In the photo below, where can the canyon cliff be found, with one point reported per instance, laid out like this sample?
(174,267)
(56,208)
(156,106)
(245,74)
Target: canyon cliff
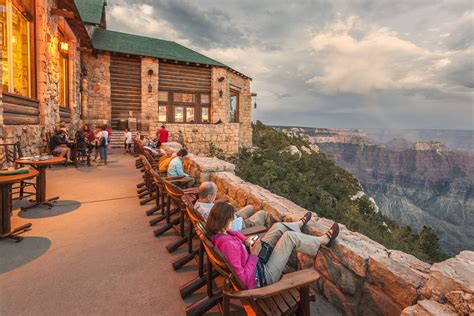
(417,184)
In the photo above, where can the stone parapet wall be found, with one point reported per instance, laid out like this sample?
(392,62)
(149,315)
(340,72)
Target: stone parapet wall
(198,137)
(359,275)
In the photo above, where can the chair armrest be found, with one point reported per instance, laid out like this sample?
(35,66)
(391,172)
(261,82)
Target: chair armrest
(186,179)
(191,191)
(289,281)
(253,230)
(172,178)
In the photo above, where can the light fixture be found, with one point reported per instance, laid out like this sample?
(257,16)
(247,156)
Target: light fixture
(221,79)
(220,93)
(64,47)
(150,72)
(254,95)
(150,88)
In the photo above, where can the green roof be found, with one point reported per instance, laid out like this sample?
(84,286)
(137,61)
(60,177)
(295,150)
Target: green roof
(146,46)
(90,10)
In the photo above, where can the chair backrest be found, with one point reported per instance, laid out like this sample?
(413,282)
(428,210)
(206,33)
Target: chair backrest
(194,215)
(146,164)
(175,193)
(218,260)
(10,152)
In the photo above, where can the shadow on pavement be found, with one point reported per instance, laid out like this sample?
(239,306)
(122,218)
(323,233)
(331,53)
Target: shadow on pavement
(17,254)
(60,207)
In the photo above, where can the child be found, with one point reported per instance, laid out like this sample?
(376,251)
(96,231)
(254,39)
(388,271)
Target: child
(127,135)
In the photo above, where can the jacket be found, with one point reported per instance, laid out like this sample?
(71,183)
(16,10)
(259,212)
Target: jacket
(244,264)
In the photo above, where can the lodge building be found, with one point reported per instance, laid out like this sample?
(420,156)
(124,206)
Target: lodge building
(61,63)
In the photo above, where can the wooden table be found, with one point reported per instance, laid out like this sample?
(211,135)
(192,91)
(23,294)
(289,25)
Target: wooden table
(41,166)
(6,203)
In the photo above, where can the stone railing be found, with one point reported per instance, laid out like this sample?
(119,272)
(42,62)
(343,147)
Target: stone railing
(359,275)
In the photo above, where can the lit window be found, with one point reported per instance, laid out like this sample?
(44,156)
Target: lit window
(162,113)
(189,115)
(184,97)
(162,96)
(204,98)
(179,114)
(205,115)
(63,73)
(16,75)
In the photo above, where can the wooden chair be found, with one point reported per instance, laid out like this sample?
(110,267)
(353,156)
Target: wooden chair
(147,194)
(289,296)
(176,193)
(9,152)
(194,217)
(83,150)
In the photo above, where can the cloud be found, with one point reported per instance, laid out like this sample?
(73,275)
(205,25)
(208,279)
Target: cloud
(366,63)
(355,57)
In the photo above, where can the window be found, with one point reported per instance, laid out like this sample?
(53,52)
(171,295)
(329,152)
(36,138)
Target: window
(162,110)
(178,114)
(184,97)
(189,115)
(183,107)
(63,84)
(163,96)
(204,98)
(234,106)
(205,115)
(16,47)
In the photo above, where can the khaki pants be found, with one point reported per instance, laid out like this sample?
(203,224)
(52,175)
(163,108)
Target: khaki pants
(284,241)
(252,218)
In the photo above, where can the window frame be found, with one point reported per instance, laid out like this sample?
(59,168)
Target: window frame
(29,14)
(236,93)
(196,105)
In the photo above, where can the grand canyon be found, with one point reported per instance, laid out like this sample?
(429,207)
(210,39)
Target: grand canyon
(414,182)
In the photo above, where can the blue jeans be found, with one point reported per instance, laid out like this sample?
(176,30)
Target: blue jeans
(103,153)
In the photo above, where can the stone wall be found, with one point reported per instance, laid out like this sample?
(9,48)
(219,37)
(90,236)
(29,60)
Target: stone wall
(96,89)
(32,137)
(359,275)
(198,137)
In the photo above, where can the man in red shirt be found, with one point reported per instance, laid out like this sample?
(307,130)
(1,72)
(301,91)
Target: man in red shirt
(162,135)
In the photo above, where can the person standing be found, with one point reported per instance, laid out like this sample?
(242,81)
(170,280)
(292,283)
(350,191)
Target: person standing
(103,140)
(162,136)
(128,140)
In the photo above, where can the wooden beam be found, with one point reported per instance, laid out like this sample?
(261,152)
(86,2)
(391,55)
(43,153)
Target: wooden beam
(63,12)
(84,49)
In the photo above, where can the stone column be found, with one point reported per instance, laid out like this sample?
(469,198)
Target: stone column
(149,115)
(219,100)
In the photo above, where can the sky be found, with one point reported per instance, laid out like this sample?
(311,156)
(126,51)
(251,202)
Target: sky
(357,64)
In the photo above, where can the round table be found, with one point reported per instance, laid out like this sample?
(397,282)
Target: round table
(6,203)
(41,166)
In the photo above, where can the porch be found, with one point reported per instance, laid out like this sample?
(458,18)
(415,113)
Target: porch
(95,252)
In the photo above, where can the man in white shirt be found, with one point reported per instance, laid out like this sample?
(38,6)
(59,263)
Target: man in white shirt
(244,218)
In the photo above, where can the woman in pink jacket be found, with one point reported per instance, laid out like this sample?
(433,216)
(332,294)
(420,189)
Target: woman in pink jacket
(283,238)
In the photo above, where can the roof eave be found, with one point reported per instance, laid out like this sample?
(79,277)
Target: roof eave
(76,23)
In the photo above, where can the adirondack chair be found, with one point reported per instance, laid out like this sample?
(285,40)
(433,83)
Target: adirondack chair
(291,295)
(176,193)
(148,194)
(195,217)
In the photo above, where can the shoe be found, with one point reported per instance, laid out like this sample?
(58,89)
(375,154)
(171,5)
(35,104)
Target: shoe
(305,219)
(332,234)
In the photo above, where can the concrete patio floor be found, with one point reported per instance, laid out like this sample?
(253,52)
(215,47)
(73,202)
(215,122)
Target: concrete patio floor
(94,253)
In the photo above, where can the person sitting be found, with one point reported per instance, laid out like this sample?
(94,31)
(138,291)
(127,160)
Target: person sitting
(175,168)
(62,126)
(253,268)
(244,218)
(58,145)
(88,134)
